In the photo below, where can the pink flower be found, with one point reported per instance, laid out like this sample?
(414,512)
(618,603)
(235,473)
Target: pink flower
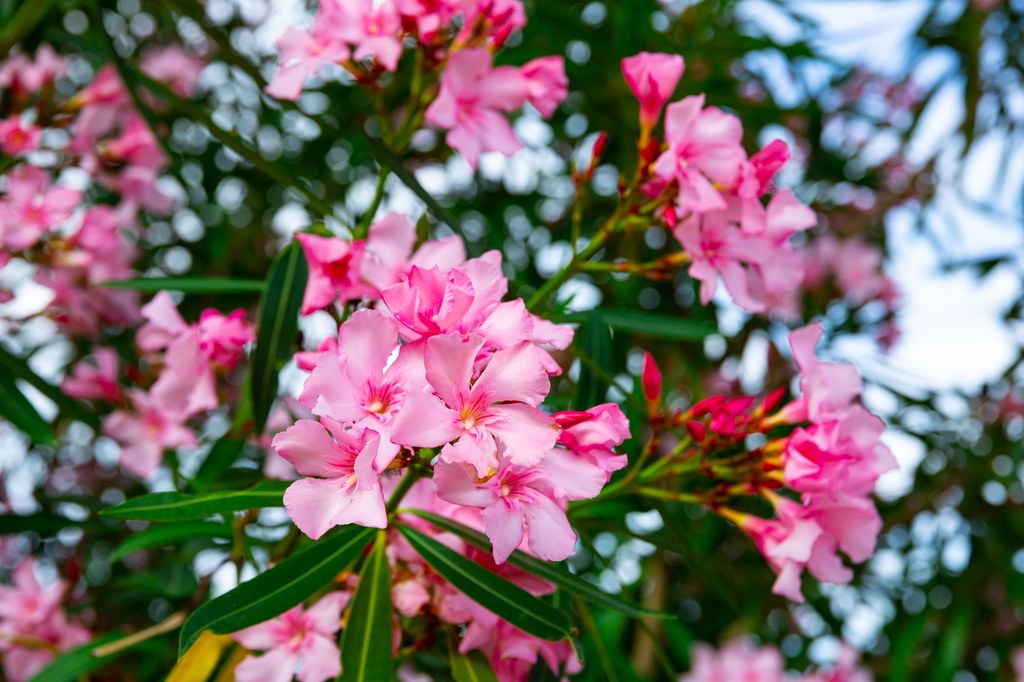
(186,383)
(170,64)
(409,597)
(652,76)
(136,145)
(97,380)
(32,207)
(826,388)
(21,74)
(164,324)
(343,485)
(498,408)
(793,541)
(389,253)
(145,432)
(592,434)
(739,660)
(528,502)
(845,668)
(303,54)
(223,337)
(704,148)
(357,384)
(762,167)
(334,266)
(546,82)
(373,28)
(32,613)
(297,636)
(470,103)
(496,18)
(17,137)
(427,17)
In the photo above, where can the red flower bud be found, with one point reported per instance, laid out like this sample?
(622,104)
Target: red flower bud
(772,400)
(598,151)
(650,378)
(696,430)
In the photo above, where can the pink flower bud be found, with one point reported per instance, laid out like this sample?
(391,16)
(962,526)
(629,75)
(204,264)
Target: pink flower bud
(652,76)
(570,418)
(696,431)
(651,379)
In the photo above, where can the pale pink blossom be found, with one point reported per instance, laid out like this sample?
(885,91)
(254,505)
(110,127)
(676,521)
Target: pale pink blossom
(704,151)
(373,28)
(30,75)
(389,255)
(33,627)
(593,433)
(303,54)
(409,597)
(342,485)
(495,19)
(498,408)
(740,660)
(826,388)
(164,324)
(471,102)
(31,206)
(18,137)
(96,380)
(223,337)
(546,83)
(306,636)
(146,431)
(172,65)
(334,267)
(186,382)
(652,76)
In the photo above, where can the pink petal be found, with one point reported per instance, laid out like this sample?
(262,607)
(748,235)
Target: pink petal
(455,483)
(449,362)
(277,665)
(551,537)
(526,432)
(308,446)
(514,374)
(424,421)
(503,524)
(321,659)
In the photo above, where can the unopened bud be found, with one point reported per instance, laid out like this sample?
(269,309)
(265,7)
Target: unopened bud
(696,431)
(650,378)
(570,418)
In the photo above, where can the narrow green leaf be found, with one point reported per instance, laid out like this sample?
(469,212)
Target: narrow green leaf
(169,534)
(43,523)
(648,324)
(222,455)
(183,507)
(277,324)
(596,342)
(953,645)
(16,408)
(187,285)
(73,665)
(497,595)
(469,667)
(276,590)
(28,15)
(542,569)
(366,643)
(18,368)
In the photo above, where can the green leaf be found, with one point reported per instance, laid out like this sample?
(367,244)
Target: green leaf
(366,643)
(276,590)
(169,534)
(18,368)
(222,455)
(187,285)
(647,324)
(277,324)
(950,652)
(497,595)
(28,15)
(542,569)
(595,358)
(74,664)
(183,507)
(16,408)
(469,667)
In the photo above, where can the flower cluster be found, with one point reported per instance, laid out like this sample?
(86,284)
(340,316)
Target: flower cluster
(741,659)
(185,359)
(830,462)
(459,37)
(46,218)
(441,366)
(33,625)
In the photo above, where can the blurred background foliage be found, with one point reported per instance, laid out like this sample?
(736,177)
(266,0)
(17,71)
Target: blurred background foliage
(944,597)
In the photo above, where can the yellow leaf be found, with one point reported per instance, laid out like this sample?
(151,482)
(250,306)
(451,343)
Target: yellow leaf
(200,660)
(227,672)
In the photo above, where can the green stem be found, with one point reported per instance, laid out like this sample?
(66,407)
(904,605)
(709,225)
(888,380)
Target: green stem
(411,476)
(363,227)
(549,287)
(671,495)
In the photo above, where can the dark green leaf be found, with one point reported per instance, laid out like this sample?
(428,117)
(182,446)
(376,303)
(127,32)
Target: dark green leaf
(16,408)
(276,590)
(548,571)
(953,645)
(366,643)
(43,523)
(595,358)
(187,285)
(277,324)
(74,664)
(497,595)
(182,507)
(470,667)
(169,534)
(647,324)
(222,455)
(18,368)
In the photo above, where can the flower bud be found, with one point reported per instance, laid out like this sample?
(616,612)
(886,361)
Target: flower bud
(650,378)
